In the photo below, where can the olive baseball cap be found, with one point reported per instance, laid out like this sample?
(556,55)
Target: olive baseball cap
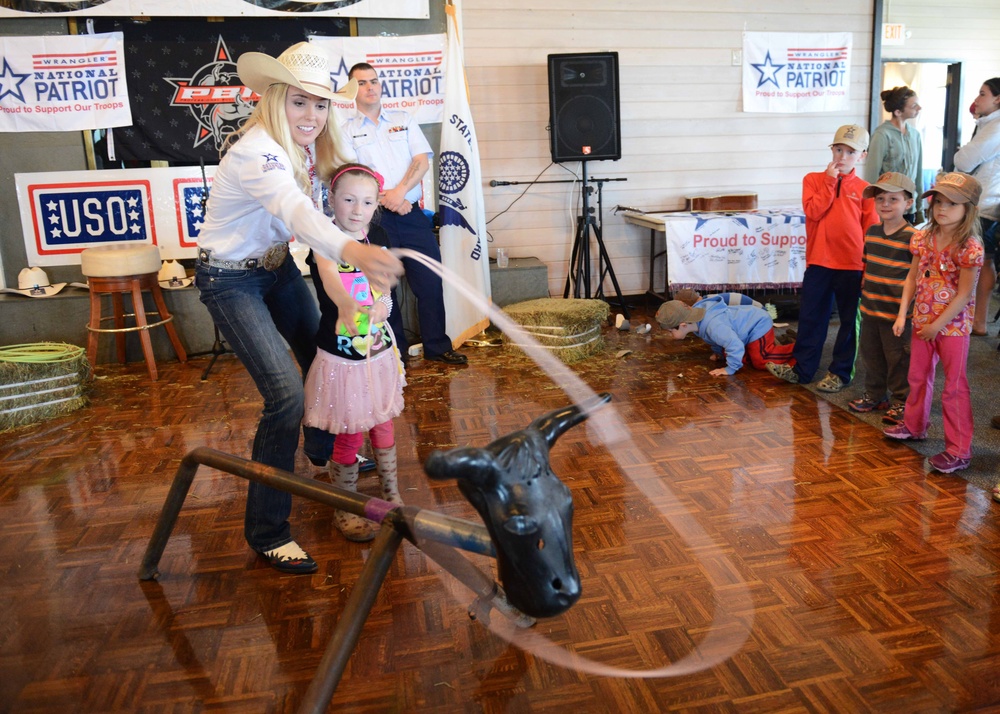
(673,312)
(853,136)
(892,182)
(957,188)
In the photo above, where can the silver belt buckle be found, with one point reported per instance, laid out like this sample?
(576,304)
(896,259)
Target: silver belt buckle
(274,256)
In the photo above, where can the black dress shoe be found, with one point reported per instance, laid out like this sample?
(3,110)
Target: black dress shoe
(449,357)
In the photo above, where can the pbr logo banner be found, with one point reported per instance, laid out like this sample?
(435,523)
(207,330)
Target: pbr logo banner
(63,83)
(791,72)
(409,70)
(65,212)
(185,93)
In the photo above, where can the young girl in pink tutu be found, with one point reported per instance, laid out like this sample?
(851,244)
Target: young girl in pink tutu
(355,384)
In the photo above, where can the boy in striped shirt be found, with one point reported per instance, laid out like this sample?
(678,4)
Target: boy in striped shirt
(887,260)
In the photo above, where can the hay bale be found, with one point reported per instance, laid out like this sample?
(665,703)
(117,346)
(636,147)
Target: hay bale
(570,328)
(40,381)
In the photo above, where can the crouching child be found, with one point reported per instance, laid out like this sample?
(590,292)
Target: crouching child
(740,333)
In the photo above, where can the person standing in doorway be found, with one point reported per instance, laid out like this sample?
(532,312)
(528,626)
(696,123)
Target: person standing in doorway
(981,158)
(896,146)
(391,143)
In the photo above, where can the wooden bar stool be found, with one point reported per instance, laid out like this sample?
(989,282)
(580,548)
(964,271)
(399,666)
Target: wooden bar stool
(115,270)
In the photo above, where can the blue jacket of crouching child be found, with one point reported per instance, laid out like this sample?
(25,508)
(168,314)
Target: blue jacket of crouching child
(730,328)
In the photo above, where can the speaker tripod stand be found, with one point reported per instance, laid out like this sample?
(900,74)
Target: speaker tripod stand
(579,263)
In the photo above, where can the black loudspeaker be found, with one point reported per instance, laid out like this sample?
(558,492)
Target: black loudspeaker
(584,114)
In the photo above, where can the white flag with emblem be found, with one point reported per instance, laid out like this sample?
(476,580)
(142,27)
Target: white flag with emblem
(460,197)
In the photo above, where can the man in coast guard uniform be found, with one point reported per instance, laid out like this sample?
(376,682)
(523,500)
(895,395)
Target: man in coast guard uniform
(392,143)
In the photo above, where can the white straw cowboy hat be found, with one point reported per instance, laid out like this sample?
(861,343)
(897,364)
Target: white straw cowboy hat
(304,65)
(34,282)
(172,276)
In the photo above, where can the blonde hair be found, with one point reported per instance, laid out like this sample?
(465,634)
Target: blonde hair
(968,228)
(270,115)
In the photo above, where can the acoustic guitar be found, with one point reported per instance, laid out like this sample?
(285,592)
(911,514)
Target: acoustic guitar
(724,202)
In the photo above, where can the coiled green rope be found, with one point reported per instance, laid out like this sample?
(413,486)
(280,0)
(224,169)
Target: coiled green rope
(40,352)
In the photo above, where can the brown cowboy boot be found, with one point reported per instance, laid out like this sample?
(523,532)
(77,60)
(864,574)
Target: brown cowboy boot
(385,465)
(354,528)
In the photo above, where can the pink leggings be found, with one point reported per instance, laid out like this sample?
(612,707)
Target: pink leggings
(956,403)
(346,446)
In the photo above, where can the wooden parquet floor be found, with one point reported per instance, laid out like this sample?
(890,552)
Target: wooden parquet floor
(872,584)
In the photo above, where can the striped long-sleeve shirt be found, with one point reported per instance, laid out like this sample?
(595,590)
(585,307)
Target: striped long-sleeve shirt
(887,261)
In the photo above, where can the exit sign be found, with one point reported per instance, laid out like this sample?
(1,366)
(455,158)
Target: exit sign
(893,34)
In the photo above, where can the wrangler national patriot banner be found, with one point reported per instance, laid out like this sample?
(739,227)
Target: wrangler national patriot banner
(791,72)
(62,83)
(409,70)
(185,94)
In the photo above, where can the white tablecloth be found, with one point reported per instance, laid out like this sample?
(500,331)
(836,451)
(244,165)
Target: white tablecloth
(764,248)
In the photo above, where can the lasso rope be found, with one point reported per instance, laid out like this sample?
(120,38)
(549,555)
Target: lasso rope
(39,381)
(40,352)
(732,609)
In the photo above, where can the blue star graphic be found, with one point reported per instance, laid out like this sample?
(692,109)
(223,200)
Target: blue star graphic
(339,77)
(270,157)
(10,82)
(768,71)
(701,220)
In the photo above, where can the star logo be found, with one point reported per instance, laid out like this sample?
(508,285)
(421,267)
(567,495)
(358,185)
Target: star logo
(339,77)
(768,71)
(215,98)
(270,157)
(10,82)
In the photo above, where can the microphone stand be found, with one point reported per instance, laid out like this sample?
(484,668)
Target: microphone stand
(219,346)
(578,276)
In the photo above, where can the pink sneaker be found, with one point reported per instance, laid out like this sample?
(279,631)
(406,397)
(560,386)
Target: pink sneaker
(946,463)
(899,431)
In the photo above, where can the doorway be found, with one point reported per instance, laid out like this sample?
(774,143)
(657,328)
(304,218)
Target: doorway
(938,85)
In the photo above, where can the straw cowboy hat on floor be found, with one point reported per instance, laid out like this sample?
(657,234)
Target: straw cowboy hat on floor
(34,282)
(172,276)
(304,65)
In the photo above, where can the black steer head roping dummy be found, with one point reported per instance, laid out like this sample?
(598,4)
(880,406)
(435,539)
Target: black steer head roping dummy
(526,508)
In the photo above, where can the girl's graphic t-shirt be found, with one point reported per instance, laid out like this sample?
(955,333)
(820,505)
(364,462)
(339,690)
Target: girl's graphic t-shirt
(937,281)
(371,338)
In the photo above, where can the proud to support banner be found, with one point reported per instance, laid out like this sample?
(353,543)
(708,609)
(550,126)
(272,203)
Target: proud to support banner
(460,197)
(794,72)
(409,69)
(759,249)
(63,83)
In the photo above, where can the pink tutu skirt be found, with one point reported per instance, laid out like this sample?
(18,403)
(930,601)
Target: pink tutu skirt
(351,396)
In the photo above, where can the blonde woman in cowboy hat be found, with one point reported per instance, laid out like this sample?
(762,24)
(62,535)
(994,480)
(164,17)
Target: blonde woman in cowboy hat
(269,187)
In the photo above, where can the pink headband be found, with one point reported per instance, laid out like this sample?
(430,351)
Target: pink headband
(363,169)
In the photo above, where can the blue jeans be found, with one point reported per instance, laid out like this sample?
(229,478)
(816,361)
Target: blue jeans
(822,286)
(257,313)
